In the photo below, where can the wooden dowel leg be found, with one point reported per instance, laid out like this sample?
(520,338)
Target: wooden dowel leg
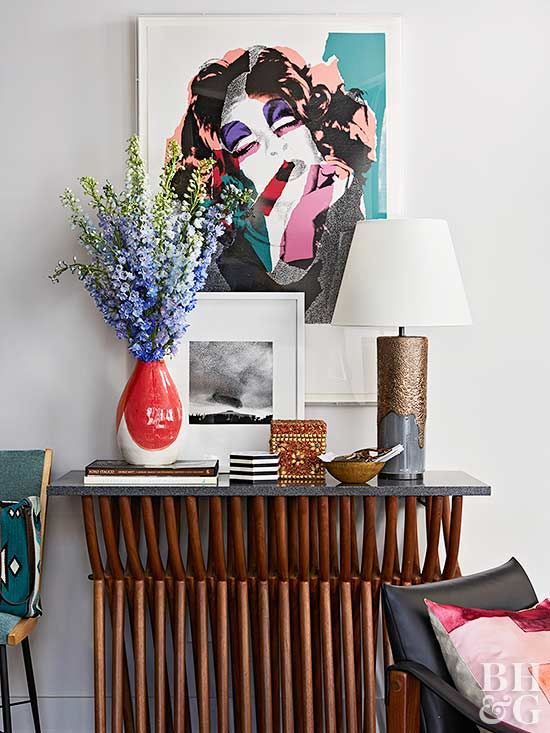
(179,656)
(255,651)
(235,655)
(336,646)
(316,653)
(159,633)
(118,655)
(431,561)
(349,658)
(369,659)
(140,673)
(274,651)
(357,646)
(99,657)
(328,661)
(244,660)
(286,658)
(203,696)
(296,654)
(307,672)
(265,657)
(452,521)
(222,653)
(410,543)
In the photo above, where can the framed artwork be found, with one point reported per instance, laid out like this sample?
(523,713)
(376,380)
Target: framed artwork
(240,365)
(304,111)
(349,376)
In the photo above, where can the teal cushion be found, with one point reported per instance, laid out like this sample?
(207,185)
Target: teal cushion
(20,473)
(7,623)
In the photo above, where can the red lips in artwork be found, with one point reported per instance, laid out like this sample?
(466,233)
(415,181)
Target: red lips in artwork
(151,406)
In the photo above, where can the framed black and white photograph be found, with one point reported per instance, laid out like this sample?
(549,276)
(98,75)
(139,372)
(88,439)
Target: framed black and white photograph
(230,382)
(240,366)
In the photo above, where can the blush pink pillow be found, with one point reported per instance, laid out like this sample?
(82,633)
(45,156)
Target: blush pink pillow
(499,660)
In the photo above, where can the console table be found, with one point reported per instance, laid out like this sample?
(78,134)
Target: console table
(286,589)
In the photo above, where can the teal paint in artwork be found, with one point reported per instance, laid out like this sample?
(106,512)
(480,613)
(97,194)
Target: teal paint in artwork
(256,233)
(362,64)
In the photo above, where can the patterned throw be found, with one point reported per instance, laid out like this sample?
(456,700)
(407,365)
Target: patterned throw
(20,534)
(499,660)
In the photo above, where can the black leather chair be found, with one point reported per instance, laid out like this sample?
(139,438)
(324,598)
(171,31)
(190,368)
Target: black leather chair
(420,695)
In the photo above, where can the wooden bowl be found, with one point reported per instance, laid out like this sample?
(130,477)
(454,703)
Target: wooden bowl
(354,472)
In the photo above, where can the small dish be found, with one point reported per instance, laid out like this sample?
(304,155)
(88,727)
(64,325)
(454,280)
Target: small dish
(356,468)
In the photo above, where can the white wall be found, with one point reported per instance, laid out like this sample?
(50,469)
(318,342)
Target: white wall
(476,105)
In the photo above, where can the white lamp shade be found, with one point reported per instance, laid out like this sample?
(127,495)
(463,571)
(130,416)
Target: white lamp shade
(402,272)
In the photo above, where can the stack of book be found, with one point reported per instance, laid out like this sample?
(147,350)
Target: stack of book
(254,466)
(181,473)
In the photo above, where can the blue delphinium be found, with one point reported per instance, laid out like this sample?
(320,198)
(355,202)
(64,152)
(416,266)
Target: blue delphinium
(149,253)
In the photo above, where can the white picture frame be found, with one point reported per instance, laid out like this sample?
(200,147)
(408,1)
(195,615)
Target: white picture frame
(348,376)
(341,363)
(244,317)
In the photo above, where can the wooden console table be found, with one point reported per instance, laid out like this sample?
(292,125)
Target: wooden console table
(286,590)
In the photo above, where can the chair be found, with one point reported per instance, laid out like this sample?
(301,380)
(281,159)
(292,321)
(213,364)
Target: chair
(420,695)
(22,474)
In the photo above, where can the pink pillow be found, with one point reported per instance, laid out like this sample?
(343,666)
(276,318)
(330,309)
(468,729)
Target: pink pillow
(499,660)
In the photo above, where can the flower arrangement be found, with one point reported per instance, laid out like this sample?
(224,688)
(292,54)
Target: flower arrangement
(149,252)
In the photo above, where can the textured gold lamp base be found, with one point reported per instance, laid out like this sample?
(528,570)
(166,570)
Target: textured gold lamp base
(402,392)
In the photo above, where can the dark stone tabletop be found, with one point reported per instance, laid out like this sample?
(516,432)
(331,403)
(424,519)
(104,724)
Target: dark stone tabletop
(434,483)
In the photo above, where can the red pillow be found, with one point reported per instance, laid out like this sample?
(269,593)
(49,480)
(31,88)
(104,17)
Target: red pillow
(499,660)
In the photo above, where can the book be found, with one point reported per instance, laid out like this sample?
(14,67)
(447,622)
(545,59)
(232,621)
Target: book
(150,480)
(179,468)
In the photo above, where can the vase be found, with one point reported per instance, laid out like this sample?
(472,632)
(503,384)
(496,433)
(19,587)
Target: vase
(149,416)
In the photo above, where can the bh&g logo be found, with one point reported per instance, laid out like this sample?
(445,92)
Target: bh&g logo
(524,703)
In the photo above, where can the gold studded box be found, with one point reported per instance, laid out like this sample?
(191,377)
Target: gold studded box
(299,444)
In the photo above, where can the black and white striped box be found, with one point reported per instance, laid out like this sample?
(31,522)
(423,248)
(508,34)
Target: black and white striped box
(253,466)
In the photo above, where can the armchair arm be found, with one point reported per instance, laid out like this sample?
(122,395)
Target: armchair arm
(21,630)
(404,682)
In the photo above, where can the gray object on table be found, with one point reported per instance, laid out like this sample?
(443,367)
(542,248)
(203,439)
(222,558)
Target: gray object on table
(396,429)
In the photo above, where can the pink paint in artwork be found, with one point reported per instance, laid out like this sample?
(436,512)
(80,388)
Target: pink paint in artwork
(298,238)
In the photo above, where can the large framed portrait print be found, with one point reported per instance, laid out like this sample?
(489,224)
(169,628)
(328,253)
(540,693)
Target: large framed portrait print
(303,111)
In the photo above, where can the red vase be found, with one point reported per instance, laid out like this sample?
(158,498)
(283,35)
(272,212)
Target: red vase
(149,416)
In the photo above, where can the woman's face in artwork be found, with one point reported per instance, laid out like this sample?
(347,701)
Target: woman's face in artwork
(261,134)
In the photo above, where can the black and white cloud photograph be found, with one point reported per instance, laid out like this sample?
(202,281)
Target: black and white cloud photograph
(230,382)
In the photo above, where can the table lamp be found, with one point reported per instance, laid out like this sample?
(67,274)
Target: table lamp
(399,273)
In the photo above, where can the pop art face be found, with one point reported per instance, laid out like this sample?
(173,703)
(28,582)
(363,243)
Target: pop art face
(294,135)
(266,139)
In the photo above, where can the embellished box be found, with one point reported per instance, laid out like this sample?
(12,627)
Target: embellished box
(299,444)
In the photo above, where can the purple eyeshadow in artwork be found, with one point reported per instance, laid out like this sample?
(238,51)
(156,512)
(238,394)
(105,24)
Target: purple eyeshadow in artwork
(232,133)
(274,109)
(278,111)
